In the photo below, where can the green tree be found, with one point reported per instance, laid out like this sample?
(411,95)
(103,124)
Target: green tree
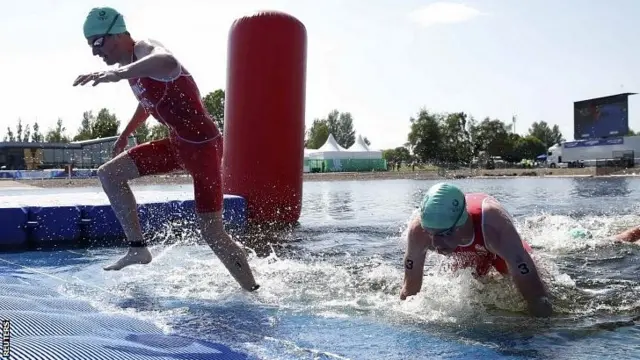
(340,125)
(143,133)
(529,147)
(399,154)
(106,124)
(21,134)
(510,152)
(491,136)
(36,136)
(19,130)
(26,134)
(9,136)
(549,136)
(214,103)
(346,135)
(455,139)
(425,136)
(57,134)
(84,131)
(332,121)
(158,131)
(317,134)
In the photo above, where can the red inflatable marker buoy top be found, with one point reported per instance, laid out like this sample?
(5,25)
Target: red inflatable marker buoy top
(264,115)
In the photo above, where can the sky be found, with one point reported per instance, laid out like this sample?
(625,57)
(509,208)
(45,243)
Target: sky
(382,61)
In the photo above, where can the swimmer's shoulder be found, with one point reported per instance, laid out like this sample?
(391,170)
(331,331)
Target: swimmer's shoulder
(497,220)
(495,213)
(416,232)
(144,47)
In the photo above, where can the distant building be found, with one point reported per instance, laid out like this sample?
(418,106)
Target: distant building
(87,154)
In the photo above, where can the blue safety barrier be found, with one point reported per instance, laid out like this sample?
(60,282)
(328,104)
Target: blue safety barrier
(48,174)
(12,226)
(53,225)
(100,223)
(154,216)
(37,227)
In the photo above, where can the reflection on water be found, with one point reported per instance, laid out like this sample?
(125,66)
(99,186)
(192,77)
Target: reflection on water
(600,187)
(340,205)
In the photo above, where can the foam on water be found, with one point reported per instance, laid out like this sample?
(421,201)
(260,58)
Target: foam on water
(340,287)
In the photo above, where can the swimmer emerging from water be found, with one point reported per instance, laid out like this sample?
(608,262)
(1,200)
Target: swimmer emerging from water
(165,90)
(478,232)
(631,235)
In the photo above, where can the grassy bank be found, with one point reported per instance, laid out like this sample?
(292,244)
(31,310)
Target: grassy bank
(451,174)
(402,174)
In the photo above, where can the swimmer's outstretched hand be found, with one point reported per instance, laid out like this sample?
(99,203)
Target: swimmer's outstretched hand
(135,256)
(97,78)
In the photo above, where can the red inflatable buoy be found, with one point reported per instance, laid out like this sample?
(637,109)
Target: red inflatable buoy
(264,115)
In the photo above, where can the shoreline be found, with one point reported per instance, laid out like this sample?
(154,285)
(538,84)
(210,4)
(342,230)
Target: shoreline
(179,179)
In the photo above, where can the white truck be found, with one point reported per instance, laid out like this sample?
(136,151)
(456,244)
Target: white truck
(586,152)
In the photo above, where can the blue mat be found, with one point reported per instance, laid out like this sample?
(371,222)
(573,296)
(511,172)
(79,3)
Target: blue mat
(46,325)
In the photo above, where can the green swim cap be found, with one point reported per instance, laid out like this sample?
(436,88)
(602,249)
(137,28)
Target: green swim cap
(442,205)
(578,233)
(99,20)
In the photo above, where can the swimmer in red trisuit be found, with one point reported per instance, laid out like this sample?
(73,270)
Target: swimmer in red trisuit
(166,91)
(478,232)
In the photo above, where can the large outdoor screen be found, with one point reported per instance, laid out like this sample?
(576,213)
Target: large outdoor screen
(601,117)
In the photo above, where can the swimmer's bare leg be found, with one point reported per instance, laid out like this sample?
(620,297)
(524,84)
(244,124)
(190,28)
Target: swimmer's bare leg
(230,254)
(114,176)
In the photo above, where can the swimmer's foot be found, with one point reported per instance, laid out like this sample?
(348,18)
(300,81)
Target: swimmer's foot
(135,256)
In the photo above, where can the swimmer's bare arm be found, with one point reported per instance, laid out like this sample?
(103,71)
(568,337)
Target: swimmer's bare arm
(139,117)
(503,239)
(414,262)
(154,60)
(629,235)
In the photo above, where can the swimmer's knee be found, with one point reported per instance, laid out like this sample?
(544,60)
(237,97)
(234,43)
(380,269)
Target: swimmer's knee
(117,170)
(108,175)
(103,173)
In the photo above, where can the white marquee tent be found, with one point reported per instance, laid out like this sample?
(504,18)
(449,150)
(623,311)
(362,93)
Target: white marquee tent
(336,158)
(360,150)
(307,152)
(330,150)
